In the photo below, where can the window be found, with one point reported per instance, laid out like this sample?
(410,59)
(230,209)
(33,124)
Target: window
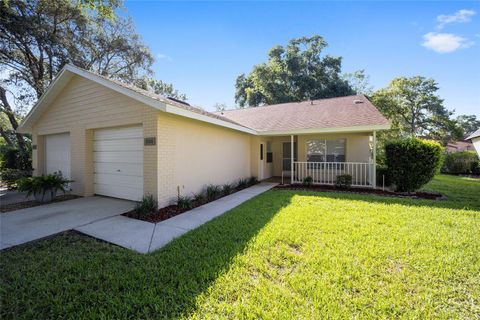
(261,151)
(269,152)
(326,150)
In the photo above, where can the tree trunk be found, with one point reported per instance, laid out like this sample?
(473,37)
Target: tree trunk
(7,109)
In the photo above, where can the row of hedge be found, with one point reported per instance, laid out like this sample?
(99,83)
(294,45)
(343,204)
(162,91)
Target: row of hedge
(465,162)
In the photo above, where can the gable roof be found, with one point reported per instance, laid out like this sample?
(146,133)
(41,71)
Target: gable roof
(149,98)
(476,134)
(352,113)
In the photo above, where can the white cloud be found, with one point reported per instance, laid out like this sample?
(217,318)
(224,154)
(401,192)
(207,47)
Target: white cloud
(164,56)
(461,16)
(445,42)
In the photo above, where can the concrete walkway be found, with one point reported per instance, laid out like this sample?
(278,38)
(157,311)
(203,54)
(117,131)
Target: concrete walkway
(21,226)
(145,237)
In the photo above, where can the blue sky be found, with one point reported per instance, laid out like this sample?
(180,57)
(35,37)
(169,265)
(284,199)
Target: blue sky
(201,47)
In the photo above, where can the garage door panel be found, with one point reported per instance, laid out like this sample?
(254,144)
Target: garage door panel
(128,169)
(57,154)
(118,157)
(119,192)
(118,162)
(118,133)
(133,144)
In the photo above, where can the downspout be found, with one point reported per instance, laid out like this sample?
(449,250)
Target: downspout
(292,169)
(374,159)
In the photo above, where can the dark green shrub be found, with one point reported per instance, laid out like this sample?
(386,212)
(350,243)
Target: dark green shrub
(252,181)
(11,176)
(307,181)
(12,158)
(45,187)
(475,167)
(213,192)
(147,205)
(185,202)
(199,198)
(344,181)
(412,162)
(227,189)
(242,183)
(459,162)
(383,176)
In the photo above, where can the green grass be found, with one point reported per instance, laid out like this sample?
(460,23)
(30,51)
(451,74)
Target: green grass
(284,254)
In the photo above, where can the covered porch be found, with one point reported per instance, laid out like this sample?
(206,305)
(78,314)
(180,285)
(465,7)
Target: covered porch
(320,156)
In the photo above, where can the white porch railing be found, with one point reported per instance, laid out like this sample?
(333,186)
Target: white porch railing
(327,172)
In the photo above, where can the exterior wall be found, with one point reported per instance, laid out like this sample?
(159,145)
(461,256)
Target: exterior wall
(476,144)
(357,147)
(82,107)
(192,154)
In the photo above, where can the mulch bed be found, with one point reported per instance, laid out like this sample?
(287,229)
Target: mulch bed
(170,211)
(33,203)
(359,190)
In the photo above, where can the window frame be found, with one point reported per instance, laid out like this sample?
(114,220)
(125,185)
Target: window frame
(325,153)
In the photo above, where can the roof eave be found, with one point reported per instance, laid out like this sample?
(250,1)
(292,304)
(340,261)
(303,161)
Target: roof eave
(368,128)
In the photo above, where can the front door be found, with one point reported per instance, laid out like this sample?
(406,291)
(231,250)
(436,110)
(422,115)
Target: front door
(261,163)
(287,155)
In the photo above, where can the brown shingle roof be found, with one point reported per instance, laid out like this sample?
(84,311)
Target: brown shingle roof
(350,111)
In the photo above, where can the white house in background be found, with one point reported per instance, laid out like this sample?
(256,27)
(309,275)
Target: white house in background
(117,140)
(475,138)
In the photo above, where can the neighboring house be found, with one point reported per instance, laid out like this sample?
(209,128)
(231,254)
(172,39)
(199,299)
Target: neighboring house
(475,138)
(117,140)
(459,146)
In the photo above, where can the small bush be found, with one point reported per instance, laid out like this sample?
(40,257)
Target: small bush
(185,202)
(11,176)
(147,205)
(45,187)
(199,198)
(213,192)
(459,162)
(344,181)
(412,162)
(307,181)
(227,189)
(252,181)
(242,183)
(475,167)
(382,173)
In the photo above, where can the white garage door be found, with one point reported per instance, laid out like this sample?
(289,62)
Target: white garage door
(118,161)
(57,154)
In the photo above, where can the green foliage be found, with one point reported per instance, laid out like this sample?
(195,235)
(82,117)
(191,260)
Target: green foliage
(412,162)
(213,192)
(468,123)
(295,72)
(242,183)
(227,189)
(344,181)
(161,88)
(412,259)
(252,181)
(307,181)
(11,176)
(147,205)
(475,167)
(459,162)
(40,185)
(185,202)
(414,109)
(383,176)
(14,158)
(199,198)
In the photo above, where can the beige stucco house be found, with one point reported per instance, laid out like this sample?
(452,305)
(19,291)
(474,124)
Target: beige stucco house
(475,139)
(117,140)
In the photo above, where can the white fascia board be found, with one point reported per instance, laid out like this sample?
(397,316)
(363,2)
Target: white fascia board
(324,130)
(200,117)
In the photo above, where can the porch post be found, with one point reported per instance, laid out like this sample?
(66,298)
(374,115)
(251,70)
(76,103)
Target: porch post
(374,159)
(292,169)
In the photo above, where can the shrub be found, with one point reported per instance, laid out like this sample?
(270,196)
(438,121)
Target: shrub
(46,185)
(344,181)
(242,183)
(412,162)
(459,162)
(213,192)
(382,173)
(11,176)
(184,202)
(199,198)
(147,205)
(227,189)
(252,181)
(307,181)
(12,158)
(475,167)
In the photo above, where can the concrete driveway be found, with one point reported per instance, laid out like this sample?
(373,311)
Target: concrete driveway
(21,226)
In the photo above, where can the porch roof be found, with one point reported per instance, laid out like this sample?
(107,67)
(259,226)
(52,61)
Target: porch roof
(351,113)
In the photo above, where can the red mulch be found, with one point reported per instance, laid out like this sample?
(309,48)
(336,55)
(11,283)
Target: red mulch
(170,211)
(33,203)
(359,190)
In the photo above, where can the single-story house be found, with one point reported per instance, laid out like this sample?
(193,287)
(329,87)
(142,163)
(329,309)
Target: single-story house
(117,140)
(475,139)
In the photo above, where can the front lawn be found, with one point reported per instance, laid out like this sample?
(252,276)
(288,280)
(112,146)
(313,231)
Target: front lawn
(284,254)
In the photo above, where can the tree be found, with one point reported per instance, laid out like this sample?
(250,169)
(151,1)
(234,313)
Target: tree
(294,72)
(220,106)
(160,87)
(359,82)
(414,109)
(38,37)
(468,123)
